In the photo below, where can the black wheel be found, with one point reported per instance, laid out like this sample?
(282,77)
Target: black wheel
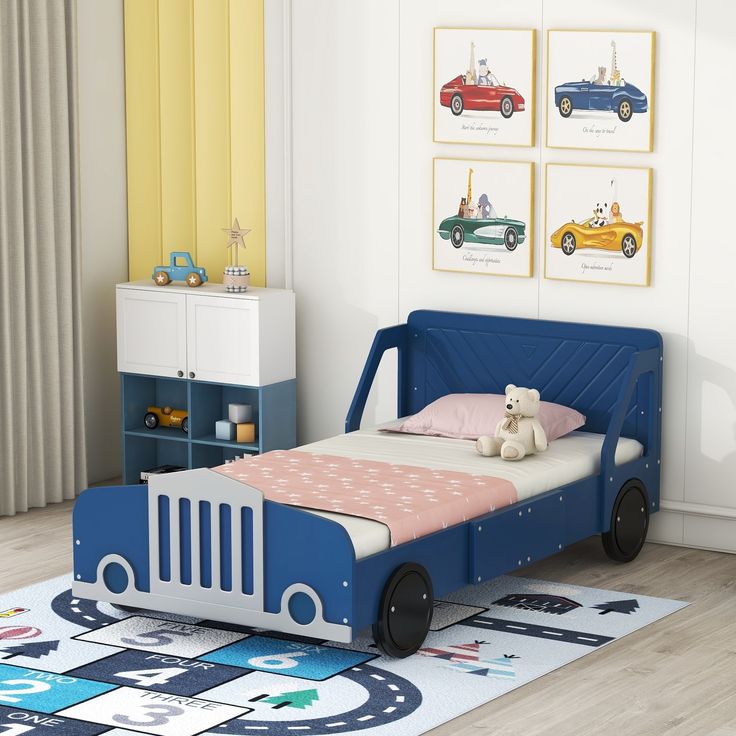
(405,612)
(565,107)
(624,110)
(510,238)
(507,107)
(568,243)
(629,523)
(150,420)
(457,236)
(628,245)
(456,104)
(185,425)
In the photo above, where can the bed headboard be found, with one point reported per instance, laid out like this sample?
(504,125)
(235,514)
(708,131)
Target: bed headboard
(583,366)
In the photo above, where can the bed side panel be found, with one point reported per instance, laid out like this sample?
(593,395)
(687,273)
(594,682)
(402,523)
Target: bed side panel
(303,548)
(111,520)
(444,554)
(517,535)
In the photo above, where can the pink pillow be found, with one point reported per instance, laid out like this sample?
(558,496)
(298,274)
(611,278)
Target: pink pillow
(468,416)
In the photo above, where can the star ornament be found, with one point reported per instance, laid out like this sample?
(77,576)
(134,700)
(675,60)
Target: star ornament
(235,234)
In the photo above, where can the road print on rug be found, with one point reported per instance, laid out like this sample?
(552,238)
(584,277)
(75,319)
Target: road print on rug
(73,667)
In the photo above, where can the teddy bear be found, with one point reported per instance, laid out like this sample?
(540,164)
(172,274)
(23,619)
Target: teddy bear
(519,433)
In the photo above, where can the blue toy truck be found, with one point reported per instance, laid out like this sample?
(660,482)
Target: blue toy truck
(178,271)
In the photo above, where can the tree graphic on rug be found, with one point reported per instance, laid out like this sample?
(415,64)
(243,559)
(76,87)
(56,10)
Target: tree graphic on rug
(35,650)
(297,699)
(466,658)
(628,607)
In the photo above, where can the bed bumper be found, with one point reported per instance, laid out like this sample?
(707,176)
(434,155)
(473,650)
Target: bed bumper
(199,544)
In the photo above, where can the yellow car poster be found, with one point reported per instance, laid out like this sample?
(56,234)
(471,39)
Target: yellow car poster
(597,224)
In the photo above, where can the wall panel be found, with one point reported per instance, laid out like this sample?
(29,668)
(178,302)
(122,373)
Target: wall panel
(663,305)
(103,220)
(176,88)
(711,378)
(195,100)
(247,134)
(212,125)
(143,136)
(346,174)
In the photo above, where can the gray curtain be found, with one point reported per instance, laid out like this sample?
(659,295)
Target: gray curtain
(42,444)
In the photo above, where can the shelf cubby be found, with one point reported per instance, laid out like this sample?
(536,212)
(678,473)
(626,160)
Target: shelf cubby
(274,414)
(138,392)
(211,401)
(145,452)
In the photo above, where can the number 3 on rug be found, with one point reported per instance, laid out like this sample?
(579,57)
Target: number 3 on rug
(154,715)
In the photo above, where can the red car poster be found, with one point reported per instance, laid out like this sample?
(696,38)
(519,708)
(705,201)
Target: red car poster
(484,86)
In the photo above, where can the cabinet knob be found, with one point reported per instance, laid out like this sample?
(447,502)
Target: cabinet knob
(180,374)
(191,374)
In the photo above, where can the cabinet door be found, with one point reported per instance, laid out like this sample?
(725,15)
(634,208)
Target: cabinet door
(152,332)
(222,339)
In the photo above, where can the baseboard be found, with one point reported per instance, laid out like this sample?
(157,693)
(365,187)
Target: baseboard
(695,525)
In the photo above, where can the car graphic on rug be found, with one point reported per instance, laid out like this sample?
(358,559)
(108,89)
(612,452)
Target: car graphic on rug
(479,223)
(479,89)
(624,236)
(608,94)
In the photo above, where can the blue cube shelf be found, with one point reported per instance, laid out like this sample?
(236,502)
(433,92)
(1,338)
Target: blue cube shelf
(274,414)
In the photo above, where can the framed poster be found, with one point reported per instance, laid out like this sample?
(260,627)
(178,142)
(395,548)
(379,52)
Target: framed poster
(598,224)
(483,88)
(600,90)
(483,217)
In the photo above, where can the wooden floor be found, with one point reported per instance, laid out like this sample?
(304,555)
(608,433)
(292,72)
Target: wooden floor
(676,677)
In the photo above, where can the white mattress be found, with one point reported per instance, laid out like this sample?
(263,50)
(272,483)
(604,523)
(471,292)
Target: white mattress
(566,460)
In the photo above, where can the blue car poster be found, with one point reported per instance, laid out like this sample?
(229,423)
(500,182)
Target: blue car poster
(483,216)
(600,88)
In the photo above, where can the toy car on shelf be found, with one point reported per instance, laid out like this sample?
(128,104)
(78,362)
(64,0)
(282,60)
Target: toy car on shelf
(157,416)
(623,236)
(181,268)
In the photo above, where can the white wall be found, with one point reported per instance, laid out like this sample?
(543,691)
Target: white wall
(104,228)
(362,157)
(345,201)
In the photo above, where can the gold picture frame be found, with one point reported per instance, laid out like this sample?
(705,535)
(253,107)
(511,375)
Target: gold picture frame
(493,258)
(530,87)
(550,91)
(617,227)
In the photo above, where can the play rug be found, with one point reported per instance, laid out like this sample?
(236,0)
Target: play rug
(70,667)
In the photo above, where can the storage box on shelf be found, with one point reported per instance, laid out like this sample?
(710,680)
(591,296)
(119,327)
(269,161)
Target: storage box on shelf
(200,352)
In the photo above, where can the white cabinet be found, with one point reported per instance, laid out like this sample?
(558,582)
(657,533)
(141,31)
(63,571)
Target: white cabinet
(206,334)
(152,328)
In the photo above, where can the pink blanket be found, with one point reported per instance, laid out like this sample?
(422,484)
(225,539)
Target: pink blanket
(411,501)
